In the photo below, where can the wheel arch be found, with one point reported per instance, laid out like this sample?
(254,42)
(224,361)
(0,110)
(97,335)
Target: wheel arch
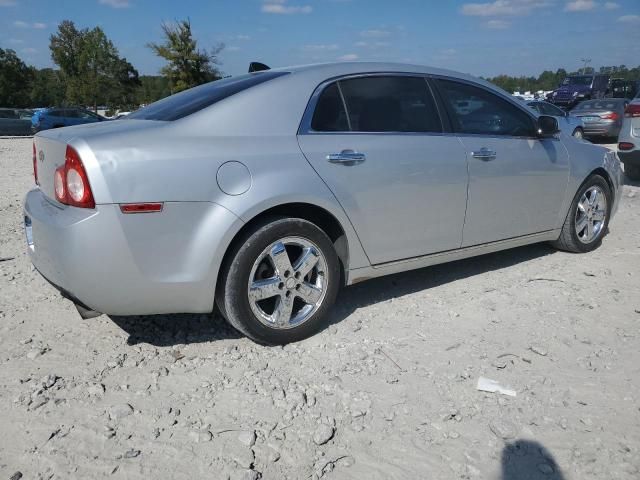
(315,214)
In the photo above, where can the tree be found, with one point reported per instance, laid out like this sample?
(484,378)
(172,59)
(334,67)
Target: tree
(15,80)
(153,88)
(48,88)
(187,66)
(94,73)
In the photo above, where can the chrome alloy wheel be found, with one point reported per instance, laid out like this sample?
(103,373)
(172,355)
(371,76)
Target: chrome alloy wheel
(288,283)
(591,214)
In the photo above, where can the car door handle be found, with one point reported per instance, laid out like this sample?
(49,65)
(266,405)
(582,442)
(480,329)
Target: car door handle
(484,154)
(347,157)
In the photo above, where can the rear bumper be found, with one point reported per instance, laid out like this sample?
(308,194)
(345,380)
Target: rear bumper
(130,264)
(601,130)
(630,158)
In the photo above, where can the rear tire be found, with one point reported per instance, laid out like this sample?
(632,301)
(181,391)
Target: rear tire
(279,281)
(578,133)
(588,218)
(632,171)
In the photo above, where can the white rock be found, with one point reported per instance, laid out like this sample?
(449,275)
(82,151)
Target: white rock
(323,434)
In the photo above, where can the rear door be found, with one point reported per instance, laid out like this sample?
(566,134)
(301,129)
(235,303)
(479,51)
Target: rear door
(517,181)
(378,143)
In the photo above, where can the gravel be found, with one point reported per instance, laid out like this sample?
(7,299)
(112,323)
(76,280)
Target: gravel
(387,391)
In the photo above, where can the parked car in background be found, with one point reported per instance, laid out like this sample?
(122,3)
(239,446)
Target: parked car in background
(569,124)
(629,140)
(62,117)
(15,121)
(265,193)
(577,88)
(601,118)
(624,88)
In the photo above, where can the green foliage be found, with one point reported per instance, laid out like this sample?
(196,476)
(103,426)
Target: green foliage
(47,89)
(15,80)
(188,66)
(94,72)
(547,80)
(153,88)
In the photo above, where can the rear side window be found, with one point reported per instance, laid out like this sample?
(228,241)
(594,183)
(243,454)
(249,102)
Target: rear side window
(477,111)
(390,104)
(195,99)
(377,104)
(330,115)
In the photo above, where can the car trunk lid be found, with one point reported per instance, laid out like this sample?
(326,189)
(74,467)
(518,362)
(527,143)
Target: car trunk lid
(51,146)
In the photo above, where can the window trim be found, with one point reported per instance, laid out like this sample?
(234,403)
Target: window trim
(305,124)
(517,105)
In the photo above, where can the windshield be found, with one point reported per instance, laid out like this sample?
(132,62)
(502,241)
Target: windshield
(578,80)
(195,99)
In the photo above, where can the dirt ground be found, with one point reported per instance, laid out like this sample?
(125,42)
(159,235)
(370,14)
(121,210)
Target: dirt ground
(387,391)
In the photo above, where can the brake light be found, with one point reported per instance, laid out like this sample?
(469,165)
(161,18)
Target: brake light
(625,146)
(71,182)
(35,164)
(632,110)
(610,116)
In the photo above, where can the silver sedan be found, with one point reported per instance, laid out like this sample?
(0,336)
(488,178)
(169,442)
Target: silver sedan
(262,194)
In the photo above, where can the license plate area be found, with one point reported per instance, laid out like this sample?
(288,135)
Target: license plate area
(590,119)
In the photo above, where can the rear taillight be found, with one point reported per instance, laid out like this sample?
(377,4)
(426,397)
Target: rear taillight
(632,110)
(610,116)
(625,146)
(71,182)
(35,164)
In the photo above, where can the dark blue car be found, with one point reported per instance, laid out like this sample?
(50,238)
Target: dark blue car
(577,88)
(62,117)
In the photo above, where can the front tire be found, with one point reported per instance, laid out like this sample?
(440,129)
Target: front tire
(588,218)
(279,281)
(578,133)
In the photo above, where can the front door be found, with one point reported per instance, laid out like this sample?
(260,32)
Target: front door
(517,181)
(402,183)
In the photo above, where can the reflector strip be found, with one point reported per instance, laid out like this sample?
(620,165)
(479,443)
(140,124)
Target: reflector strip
(141,207)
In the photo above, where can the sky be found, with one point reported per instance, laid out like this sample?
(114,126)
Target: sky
(486,38)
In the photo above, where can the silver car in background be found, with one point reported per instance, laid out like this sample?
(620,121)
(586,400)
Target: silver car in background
(262,194)
(569,124)
(602,118)
(629,140)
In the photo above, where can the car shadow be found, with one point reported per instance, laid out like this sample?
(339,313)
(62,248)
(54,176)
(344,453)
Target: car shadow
(401,284)
(528,459)
(175,329)
(168,330)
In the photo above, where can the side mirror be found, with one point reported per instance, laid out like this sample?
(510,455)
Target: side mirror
(547,126)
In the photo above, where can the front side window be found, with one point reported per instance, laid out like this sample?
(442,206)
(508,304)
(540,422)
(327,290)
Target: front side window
(548,109)
(474,110)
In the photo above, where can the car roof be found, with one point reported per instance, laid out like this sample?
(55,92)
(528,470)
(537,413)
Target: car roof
(336,69)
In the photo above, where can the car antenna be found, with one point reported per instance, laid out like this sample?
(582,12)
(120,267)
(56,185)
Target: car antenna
(257,67)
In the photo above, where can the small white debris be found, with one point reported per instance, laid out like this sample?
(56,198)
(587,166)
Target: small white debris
(492,386)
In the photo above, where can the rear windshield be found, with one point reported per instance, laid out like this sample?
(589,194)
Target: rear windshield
(195,99)
(600,104)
